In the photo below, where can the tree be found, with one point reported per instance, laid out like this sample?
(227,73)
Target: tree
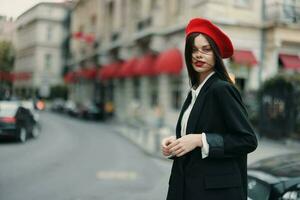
(6,56)
(59,91)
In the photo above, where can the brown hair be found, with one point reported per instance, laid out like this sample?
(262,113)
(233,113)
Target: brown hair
(219,66)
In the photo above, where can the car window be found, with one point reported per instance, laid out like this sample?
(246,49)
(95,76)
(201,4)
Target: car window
(257,190)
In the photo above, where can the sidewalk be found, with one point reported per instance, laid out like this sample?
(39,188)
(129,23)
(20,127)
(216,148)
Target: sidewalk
(269,148)
(146,138)
(149,139)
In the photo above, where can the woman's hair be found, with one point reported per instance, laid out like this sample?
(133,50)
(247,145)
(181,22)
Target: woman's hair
(219,66)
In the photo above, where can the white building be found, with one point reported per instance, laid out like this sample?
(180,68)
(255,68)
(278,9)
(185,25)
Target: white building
(264,35)
(39,36)
(7,26)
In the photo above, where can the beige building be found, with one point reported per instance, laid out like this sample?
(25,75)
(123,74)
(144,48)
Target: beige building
(7,27)
(282,46)
(87,33)
(39,36)
(134,29)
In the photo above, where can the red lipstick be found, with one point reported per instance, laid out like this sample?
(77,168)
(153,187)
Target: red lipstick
(199,63)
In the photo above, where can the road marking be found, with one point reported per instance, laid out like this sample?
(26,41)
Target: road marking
(116,175)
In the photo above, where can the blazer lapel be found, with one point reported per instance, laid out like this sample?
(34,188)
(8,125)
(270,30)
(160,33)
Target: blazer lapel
(198,106)
(184,107)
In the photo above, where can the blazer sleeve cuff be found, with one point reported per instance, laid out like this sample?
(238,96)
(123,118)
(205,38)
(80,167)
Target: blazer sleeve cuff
(205,146)
(216,145)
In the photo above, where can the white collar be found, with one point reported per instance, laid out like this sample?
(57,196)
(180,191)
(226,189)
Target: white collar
(195,92)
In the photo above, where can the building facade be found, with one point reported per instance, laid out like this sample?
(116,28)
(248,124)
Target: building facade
(138,42)
(7,27)
(86,33)
(39,36)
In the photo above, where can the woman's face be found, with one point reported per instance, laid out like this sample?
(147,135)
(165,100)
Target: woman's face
(203,59)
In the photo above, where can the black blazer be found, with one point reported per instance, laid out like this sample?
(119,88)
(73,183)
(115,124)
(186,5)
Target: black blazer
(219,113)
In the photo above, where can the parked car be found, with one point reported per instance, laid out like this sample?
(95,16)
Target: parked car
(275,178)
(17,121)
(58,105)
(70,108)
(92,111)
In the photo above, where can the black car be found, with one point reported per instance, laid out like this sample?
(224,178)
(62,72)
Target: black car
(17,121)
(92,111)
(275,178)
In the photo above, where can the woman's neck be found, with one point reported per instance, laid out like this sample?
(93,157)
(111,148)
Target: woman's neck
(203,75)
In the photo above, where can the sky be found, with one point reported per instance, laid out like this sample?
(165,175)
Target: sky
(14,8)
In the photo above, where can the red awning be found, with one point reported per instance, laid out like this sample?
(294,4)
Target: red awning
(108,71)
(290,61)
(20,76)
(102,74)
(128,68)
(169,62)
(80,72)
(77,35)
(6,76)
(89,38)
(88,73)
(244,57)
(145,65)
(70,77)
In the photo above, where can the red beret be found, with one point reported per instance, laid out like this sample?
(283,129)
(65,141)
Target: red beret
(201,25)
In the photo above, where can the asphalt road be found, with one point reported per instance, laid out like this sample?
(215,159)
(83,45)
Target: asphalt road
(79,160)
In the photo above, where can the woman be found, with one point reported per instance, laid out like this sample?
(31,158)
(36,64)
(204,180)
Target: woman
(213,134)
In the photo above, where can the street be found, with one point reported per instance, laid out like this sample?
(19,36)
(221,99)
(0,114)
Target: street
(82,160)
(79,160)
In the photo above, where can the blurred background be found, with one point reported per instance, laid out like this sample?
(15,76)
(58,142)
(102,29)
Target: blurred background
(103,81)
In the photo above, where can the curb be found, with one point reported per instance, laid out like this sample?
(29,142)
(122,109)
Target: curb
(147,139)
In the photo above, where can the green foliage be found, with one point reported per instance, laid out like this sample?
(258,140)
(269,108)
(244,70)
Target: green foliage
(59,91)
(287,82)
(6,65)
(6,56)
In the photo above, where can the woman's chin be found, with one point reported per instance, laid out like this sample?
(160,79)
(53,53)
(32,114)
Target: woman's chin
(200,69)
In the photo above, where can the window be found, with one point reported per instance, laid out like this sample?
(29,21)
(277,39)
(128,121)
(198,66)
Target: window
(242,3)
(153,90)
(122,84)
(136,14)
(197,2)
(153,5)
(290,10)
(93,23)
(81,28)
(110,21)
(49,33)
(48,61)
(136,88)
(175,87)
(110,91)
(176,7)
(93,19)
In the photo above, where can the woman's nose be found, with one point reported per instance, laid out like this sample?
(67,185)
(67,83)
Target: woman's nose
(198,54)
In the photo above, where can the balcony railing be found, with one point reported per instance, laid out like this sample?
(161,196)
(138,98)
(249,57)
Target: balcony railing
(283,12)
(143,24)
(115,36)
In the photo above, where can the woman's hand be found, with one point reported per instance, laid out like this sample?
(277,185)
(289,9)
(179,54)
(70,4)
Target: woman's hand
(164,145)
(185,144)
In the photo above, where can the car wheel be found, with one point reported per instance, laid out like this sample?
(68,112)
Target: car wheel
(36,130)
(23,135)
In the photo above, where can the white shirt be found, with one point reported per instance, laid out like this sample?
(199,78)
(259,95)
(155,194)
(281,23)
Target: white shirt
(185,117)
